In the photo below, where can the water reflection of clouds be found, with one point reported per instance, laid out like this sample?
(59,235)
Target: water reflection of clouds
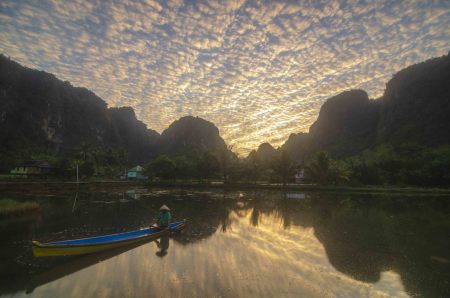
(379,242)
(246,261)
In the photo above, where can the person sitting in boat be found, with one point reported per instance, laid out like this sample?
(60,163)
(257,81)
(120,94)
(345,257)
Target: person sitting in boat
(164,217)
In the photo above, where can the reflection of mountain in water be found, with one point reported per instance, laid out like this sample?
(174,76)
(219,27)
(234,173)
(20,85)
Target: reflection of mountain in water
(361,236)
(364,237)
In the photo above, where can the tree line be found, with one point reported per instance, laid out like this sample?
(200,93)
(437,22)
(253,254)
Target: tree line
(408,164)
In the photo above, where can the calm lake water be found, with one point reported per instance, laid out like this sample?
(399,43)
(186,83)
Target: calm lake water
(237,244)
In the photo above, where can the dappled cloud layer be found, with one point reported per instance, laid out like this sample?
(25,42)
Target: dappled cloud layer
(259,70)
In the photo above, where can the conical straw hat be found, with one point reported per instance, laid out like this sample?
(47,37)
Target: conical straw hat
(164,207)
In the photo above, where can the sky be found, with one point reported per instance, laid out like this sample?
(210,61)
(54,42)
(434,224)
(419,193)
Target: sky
(259,70)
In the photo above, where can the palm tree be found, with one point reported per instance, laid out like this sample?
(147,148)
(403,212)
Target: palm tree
(97,157)
(163,167)
(323,170)
(84,150)
(122,158)
(225,158)
(254,166)
(317,169)
(207,165)
(284,167)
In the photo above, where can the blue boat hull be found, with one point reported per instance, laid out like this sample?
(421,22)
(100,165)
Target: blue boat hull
(101,243)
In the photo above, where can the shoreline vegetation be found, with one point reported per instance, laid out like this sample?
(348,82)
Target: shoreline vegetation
(55,185)
(13,208)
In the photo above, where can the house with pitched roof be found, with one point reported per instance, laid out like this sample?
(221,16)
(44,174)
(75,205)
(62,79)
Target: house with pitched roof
(136,173)
(32,168)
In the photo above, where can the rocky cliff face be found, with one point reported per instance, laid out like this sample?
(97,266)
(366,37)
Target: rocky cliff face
(40,112)
(297,145)
(191,134)
(346,124)
(415,108)
(266,152)
(141,142)
(37,108)
(416,105)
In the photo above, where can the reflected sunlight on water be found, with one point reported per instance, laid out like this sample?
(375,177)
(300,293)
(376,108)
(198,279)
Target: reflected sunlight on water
(237,244)
(266,260)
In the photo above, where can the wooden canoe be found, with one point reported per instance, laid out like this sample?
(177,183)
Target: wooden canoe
(101,243)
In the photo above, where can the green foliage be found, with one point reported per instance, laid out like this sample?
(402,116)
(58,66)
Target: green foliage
(184,167)
(62,167)
(207,165)
(324,170)
(226,160)
(253,166)
(86,169)
(51,158)
(201,166)
(10,207)
(438,167)
(84,151)
(407,164)
(162,167)
(283,167)
(122,158)
(8,160)
(363,171)
(92,161)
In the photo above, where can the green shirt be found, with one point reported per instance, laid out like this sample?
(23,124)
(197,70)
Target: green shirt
(164,218)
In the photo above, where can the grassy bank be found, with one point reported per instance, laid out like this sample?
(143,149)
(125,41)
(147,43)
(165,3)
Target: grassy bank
(9,208)
(306,187)
(45,186)
(109,185)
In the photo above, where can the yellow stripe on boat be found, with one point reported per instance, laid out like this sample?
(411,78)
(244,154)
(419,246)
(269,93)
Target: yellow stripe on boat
(55,249)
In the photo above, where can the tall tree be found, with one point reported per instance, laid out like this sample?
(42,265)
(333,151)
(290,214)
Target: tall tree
(207,165)
(163,167)
(225,158)
(84,150)
(122,157)
(284,167)
(323,170)
(253,165)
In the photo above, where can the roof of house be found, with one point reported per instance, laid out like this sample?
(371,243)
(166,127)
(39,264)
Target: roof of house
(136,169)
(35,163)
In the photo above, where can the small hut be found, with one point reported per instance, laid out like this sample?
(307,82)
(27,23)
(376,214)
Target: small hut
(32,168)
(136,173)
(299,176)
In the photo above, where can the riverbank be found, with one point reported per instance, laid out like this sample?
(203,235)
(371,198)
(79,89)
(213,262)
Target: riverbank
(49,185)
(307,187)
(12,208)
(54,185)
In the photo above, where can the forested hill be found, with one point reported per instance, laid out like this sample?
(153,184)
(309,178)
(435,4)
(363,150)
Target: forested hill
(414,111)
(41,116)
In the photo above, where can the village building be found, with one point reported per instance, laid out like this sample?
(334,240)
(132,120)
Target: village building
(136,173)
(300,176)
(32,168)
